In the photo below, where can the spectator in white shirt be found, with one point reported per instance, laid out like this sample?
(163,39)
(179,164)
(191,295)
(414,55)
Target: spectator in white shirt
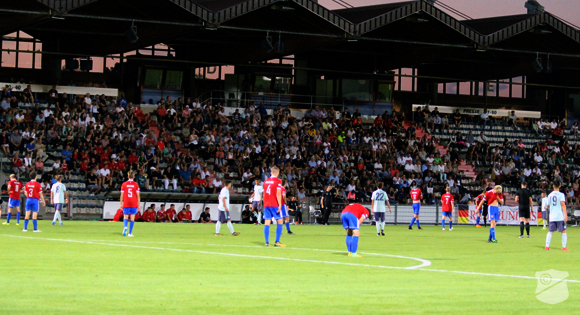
(216,183)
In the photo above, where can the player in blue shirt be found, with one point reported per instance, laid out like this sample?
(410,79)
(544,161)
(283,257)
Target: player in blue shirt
(558,215)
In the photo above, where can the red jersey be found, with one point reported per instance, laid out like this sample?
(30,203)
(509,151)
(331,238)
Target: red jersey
(137,216)
(14,187)
(171,213)
(160,215)
(119,215)
(130,191)
(478,199)
(447,202)
(33,189)
(271,186)
(149,216)
(283,195)
(491,196)
(416,195)
(184,215)
(356,209)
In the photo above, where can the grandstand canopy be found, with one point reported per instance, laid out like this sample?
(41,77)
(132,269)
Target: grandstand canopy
(363,39)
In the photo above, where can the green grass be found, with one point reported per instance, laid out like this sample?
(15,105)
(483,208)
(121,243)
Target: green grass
(83,268)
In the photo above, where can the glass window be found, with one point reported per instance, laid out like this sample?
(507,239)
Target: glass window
(25,60)
(357,90)
(153,78)
(385,92)
(37,61)
(262,84)
(173,80)
(8,57)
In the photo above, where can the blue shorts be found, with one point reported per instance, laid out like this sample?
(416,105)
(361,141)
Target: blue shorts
(31,205)
(349,221)
(256,205)
(559,226)
(416,208)
(224,216)
(284,211)
(13,203)
(379,217)
(58,206)
(130,211)
(272,212)
(493,213)
(448,214)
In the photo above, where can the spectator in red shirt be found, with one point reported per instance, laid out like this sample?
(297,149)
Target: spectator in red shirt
(185,215)
(133,159)
(149,215)
(198,185)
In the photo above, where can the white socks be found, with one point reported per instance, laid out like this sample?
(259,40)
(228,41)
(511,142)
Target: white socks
(383,226)
(218,225)
(564,239)
(231,227)
(549,239)
(57,216)
(378,227)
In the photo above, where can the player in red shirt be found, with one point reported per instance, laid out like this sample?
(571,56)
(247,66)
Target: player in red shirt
(273,206)
(416,196)
(33,192)
(161,215)
(447,207)
(149,215)
(352,217)
(481,214)
(130,202)
(15,188)
(185,215)
(285,214)
(119,215)
(171,214)
(494,198)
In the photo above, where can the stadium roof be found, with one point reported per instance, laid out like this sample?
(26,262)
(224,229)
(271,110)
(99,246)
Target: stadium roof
(365,39)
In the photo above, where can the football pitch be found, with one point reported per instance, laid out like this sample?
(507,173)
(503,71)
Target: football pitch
(89,268)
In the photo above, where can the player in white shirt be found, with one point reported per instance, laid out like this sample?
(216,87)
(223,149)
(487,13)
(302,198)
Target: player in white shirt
(256,199)
(59,197)
(379,198)
(558,215)
(224,210)
(545,206)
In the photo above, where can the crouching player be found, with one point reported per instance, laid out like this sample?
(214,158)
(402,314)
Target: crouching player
(352,216)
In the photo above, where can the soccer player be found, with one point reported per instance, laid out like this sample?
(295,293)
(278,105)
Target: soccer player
(185,215)
(15,188)
(478,199)
(494,198)
(545,206)
(352,217)
(416,196)
(256,199)
(379,198)
(33,192)
(524,198)
(130,202)
(558,215)
(224,210)
(58,196)
(273,206)
(447,207)
(284,211)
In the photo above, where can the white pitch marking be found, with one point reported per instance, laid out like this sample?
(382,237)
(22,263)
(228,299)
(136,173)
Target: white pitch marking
(290,259)
(424,262)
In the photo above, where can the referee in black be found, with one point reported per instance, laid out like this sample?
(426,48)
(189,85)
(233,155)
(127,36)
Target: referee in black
(524,199)
(326,204)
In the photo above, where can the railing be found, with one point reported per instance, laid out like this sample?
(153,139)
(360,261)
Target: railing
(270,100)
